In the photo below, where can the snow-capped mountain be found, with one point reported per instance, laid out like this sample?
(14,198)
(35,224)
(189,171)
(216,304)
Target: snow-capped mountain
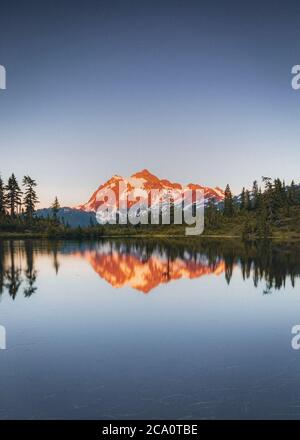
(146,181)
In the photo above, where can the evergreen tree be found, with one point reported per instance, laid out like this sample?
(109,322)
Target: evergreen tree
(278,195)
(2,198)
(268,198)
(228,203)
(211,213)
(13,196)
(284,193)
(263,228)
(255,195)
(292,194)
(55,207)
(30,198)
(247,200)
(259,199)
(242,196)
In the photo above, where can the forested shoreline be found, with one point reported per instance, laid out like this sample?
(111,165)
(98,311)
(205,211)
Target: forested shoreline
(266,211)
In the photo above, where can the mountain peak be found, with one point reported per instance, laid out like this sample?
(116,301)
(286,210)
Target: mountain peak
(145,171)
(147,181)
(144,174)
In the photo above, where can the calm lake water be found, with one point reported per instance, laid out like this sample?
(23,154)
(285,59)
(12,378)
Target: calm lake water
(128,330)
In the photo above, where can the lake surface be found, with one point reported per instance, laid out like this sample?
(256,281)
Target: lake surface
(142,329)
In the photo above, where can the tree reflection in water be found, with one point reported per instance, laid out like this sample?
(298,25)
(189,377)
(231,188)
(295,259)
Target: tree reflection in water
(145,264)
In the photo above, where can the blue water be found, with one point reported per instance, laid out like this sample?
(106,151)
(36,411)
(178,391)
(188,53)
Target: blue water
(86,343)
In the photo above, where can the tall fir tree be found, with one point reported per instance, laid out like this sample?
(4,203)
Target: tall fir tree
(13,196)
(211,213)
(228,202)
(255,195)
(292,194)
(55,207)
(30,196)
(242,197)
(247,200)
(2,198)
(268,198)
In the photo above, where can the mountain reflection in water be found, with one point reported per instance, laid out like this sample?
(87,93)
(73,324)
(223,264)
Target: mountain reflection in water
(146,273)
(144,265)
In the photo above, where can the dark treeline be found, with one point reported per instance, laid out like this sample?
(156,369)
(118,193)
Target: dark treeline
(259,212)
(18,213)
(14,201)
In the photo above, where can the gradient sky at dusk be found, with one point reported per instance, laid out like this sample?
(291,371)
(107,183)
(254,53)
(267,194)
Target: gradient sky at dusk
(195,91)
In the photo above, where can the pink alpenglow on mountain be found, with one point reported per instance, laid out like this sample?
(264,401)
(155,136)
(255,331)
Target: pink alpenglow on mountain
(144,180)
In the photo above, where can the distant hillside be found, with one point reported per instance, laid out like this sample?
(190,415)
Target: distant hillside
(70,216)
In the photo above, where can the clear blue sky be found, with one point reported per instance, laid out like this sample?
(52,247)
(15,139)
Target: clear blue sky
(195,91)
